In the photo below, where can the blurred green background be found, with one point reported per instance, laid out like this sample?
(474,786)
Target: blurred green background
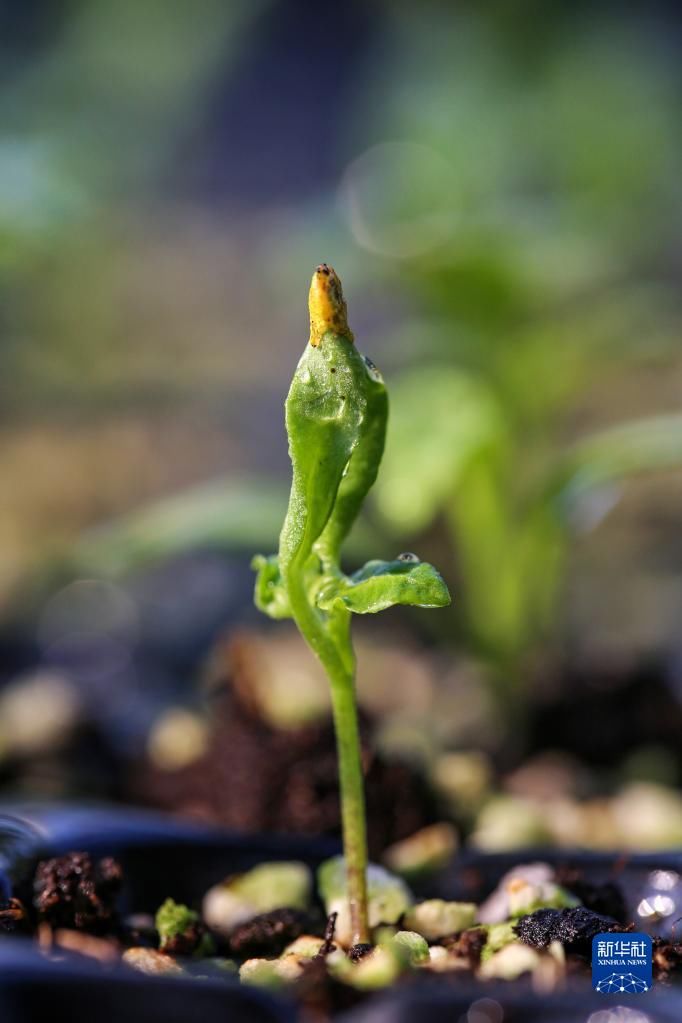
(499,187)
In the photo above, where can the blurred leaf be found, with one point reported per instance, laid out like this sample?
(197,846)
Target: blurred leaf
(510,558)
(642,445)
(236,514)
(440,418)
(383,584)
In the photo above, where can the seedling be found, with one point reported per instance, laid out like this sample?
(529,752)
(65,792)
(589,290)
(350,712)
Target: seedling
(336,413)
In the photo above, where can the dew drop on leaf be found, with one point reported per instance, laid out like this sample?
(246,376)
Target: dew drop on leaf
(407,556)
(372,370)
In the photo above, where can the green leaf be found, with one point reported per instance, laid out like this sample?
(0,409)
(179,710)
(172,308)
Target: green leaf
(441,418)
(336,409)
(270,595)
(382,584)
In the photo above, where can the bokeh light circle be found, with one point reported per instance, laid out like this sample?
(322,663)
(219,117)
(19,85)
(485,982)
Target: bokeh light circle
(399,199)
(485,1010)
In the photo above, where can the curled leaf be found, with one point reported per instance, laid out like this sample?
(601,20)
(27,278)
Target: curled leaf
(382,584)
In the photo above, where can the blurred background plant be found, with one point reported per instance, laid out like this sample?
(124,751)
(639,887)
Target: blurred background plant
(498,186)
(534,250)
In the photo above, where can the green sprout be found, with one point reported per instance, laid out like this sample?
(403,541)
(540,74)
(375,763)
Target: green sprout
(336,414)
(179,925)
(173,919)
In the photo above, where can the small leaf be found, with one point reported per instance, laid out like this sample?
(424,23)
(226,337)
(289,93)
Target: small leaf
(270,594)
(382,584)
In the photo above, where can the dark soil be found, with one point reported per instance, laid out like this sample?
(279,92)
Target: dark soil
(73,892)
(467,945)
(667,958)
(268,934)
(575,713)
(255,777)
(359,951)
(574,928)
(606,898)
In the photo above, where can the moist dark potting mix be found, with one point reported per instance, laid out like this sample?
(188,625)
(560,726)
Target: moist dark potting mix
(281,928)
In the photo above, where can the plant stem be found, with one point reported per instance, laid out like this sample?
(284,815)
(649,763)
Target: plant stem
(329,639)
(344,706)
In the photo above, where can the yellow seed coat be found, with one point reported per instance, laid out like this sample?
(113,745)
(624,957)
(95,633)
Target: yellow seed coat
(327,306)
